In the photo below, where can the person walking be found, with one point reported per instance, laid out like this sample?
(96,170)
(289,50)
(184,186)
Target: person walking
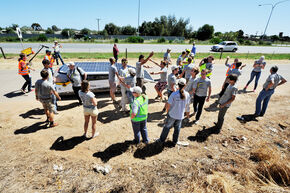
(56,47)
(162,83)
(51,80)
(24,71)
(167,57)
(225,101)
(140,70)
(76,75)
(201,86)
(90,108)
(187,68)
(175,108)
(115,52)
(193,49)
(43,91)
(256,72)
(269,87)
(139,114)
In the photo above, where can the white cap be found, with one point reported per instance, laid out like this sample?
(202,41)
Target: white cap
(55,41)
(71,64)
(262,58)
(174,67)
(136,89)
(168,48)
(132,71)
(182,81)
(191,54)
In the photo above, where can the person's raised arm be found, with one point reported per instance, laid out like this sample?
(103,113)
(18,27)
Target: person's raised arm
(243,66)
(201,62)
(146,60)
(85,76)
(227,60)
(154,62)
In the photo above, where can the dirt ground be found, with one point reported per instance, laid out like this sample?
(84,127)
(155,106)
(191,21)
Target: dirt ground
(252,156)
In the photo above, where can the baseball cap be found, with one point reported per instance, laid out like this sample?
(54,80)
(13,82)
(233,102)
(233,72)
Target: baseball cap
(182,81)
(71,63)
(136,89)
(174,67)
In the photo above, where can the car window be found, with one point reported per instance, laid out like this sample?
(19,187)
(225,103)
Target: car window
(222,43)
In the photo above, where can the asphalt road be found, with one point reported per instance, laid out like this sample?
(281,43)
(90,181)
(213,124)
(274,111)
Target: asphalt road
(83,47)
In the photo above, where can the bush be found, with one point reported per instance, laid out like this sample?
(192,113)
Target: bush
(116,40)
(170,41)
(42,38)
(177,41)
(161,40)
(135,39)
(241,41)
(215,40)
(250,43)
(9,39)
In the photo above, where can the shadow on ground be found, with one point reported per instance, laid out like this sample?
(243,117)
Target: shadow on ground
(110,115)
(68,106)
(31,129)
(152,149)
(29,114)
(15,93)
(63,145)
(247,118)
(113,150)
(213,107)
(202,135)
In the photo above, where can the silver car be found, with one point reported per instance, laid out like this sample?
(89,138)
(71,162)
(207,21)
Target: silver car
(225,46)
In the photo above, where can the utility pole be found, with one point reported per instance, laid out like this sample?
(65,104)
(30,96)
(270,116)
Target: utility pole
(138,18)
(273,6)
(98,19)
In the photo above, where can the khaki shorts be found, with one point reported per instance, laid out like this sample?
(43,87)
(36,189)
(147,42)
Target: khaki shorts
(113,86)
(47,105)
(92,112)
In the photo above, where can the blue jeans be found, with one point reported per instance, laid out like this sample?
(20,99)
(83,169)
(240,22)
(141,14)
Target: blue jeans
(130,96)
(168,125)
(265,97)
(253,75)
(57,55)
(53,100)
(138,127)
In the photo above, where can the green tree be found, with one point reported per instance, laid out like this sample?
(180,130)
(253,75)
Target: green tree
(85,31)
(112,29)
(67,32)
(36,27)
(128,30)
(240,34)
(205,32)
(14,26)
(49,31)
(55,28)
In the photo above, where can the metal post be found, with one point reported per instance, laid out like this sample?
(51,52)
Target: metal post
(3,53)
(138,19)
(98,19)
(221,54)
(126,54)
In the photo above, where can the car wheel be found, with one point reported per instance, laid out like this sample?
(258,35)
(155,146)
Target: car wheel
(235,49)
(220,50)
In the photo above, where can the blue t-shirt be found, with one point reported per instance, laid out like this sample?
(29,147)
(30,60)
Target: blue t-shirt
(86,98)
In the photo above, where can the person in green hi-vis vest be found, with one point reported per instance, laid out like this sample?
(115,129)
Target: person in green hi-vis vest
(139,114)
(207,63)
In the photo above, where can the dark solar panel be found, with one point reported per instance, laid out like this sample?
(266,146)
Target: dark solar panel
(99,67)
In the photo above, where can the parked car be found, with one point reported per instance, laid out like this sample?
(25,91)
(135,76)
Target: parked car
(225,46)
(97,74)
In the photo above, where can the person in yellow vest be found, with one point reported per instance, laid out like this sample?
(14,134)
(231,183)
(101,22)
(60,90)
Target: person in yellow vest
(207,64)
(139,114)
(49,57)
(24,71)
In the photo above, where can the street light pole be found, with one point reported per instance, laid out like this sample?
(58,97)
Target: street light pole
(273,6)
(98,19)
(138,18)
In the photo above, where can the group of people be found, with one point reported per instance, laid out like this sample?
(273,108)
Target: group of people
(187,83)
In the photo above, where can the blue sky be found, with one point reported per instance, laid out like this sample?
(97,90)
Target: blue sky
(224,15)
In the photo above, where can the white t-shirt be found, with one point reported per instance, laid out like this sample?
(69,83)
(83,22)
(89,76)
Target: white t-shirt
(177,105)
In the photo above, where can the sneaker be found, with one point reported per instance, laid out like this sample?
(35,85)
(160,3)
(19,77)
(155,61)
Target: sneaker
(53,124)
(196,122)
(23,91)
(96,134)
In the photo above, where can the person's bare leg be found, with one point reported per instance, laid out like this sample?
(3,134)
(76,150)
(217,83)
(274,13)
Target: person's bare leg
(47,114)
(51,116)
(86,124)
(187,114)
(94,120)
(112,94)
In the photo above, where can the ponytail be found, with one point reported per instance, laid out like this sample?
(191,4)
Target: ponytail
(181,91)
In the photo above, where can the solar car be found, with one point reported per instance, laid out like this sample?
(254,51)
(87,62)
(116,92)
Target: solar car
(97,74)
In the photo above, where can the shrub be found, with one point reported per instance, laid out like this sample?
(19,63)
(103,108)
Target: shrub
(215,40)
(116,40)
(161,40)
(42,38)
(170,41)
(135,39)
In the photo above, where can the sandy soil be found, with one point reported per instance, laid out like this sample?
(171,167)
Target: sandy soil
(211,163)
